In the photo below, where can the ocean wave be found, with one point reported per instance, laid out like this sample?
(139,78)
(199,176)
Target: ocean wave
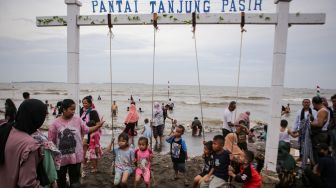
(49,93)
(246,98)
(206,103)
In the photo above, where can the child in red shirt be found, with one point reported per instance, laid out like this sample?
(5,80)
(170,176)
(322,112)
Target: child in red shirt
(248,175)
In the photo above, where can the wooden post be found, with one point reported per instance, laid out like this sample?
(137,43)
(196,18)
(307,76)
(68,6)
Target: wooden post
(278,76)
(73,7)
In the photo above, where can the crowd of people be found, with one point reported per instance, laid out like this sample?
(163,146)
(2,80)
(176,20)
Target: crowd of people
(29,158)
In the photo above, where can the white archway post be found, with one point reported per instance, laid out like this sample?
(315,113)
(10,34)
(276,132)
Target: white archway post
(278,76)
(73,7)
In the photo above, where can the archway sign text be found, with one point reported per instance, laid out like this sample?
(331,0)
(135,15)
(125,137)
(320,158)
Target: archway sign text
(174,6)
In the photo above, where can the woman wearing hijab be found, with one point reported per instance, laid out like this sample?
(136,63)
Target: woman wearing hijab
(20,158)
(90,117)
(10,111)
(130,121)
(231,145)
(158,123)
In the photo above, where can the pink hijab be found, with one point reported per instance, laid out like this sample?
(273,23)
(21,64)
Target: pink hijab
(132,115)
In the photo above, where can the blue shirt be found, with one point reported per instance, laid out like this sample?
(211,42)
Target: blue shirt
(178,149)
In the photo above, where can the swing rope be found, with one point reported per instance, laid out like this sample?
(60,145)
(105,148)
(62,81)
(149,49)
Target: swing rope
(242,30)
(198,74)
(153,75)
(155,17)
(110,33)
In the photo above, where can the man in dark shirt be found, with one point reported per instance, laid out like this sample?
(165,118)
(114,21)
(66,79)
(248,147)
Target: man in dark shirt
(324,172)
(218,175)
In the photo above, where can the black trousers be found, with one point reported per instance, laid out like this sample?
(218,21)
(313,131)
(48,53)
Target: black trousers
(74,175)
(225,132)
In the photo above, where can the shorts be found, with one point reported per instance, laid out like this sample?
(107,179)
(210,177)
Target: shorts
(130,129)
(179,167)
(158,130)
(118,175)
(145,173)
(214,182)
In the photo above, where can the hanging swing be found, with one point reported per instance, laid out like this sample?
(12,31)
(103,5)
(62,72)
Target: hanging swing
(198,74)
(242,30)
(155,27)
(110,33)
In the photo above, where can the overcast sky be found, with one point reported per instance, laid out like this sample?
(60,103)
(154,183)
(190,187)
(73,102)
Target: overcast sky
(29,53)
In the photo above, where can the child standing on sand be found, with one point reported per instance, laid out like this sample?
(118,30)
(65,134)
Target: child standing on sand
(66,133)
(124,157)
(174,125)
(208,163)
(95,151)
(147,131)
(143,156)
(178,152)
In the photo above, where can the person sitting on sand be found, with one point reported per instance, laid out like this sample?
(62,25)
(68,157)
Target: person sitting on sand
(143,156)
(208,163)
(124,158)
(218,175)
(178,152)
(196,125)
(247,175)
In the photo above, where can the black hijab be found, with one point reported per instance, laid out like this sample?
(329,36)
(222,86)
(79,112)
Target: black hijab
(29,118)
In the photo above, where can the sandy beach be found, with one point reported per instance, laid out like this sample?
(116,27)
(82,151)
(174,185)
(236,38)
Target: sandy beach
(162,171)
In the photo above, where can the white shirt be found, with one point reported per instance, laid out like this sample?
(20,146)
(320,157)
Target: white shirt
(284,136)
(228,117)
(297,121)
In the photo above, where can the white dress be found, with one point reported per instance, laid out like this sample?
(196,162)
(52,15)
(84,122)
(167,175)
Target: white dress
(148,131)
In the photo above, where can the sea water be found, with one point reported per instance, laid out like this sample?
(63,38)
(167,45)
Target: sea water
(185,98)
